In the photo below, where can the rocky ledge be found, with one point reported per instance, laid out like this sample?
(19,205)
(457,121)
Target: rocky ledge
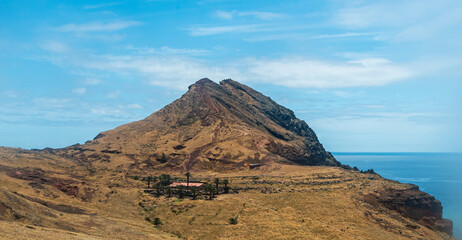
(414,204)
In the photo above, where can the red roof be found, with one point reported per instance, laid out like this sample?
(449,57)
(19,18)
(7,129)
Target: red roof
(191,184)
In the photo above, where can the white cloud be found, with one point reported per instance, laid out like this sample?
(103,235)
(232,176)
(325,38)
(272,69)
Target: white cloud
(298,72)
(10,94)
(107,111)
(299,36)
(172,71)
(169,51)
(102,5)
(92,81)
(223,14)
(205,31)
(79,91)
(97,26)
(178,72)
(415,20)
(262,15)
(385,14)
(133,106)
(54,46)
(343,35)
(257,14)
(51,103)
(113,94)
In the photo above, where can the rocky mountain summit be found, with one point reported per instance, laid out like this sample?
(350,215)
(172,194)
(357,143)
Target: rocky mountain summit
(225,126)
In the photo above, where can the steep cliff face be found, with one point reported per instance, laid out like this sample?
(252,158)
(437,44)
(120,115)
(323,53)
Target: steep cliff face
(414,204)
(212,126)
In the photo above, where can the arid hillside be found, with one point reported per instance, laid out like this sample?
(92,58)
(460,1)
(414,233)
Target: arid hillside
(260,173)
(43,196)
(222,127)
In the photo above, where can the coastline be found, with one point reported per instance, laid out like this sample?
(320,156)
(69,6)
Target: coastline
(435,173)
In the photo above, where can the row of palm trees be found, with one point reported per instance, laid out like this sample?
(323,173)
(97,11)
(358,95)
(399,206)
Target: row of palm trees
(164,179)
(161,185)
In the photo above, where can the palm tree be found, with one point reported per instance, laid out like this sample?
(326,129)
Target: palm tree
(210,189)
(149,179)
(187,179)
(158,188)
(163,158)
(194,193)
(164,179)
(217,182)
(180,189)
(226,182)
(154,179)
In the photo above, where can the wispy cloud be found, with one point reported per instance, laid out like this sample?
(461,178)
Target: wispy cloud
(113,94)
(102,5)
(92,81)
(299,72)
(343,35)
(299,36)
(178,72)
(55,46)
(170,71)
(97,26)
(205,31)
(169,51)
(237,29)
(416,20)
(131,106)
(223,14)
(257,14)
(79,91)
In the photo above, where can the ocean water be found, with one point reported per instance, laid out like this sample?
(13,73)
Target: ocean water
(439,174)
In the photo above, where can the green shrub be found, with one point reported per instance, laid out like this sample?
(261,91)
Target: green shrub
(157,221)
(233,220)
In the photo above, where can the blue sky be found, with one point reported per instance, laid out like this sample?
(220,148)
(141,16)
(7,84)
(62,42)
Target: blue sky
(366,75)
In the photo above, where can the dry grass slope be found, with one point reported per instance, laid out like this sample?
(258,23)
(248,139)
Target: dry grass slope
(271,202)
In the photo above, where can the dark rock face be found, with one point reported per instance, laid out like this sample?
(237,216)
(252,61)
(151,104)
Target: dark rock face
(38,177)
(304,156)
(414,204)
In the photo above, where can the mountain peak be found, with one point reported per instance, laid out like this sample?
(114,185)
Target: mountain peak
(213,126)
(203,81)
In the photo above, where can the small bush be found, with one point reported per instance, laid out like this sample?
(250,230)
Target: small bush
(233,220)
(157,221)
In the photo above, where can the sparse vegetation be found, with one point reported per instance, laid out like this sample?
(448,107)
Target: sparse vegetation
(187,179)
(233,220)
(217,183)
(157,221)
(163,158)
(161,186)
(226,187)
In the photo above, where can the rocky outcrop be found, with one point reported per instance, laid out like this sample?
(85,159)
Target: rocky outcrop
(37,177)
(414,204)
